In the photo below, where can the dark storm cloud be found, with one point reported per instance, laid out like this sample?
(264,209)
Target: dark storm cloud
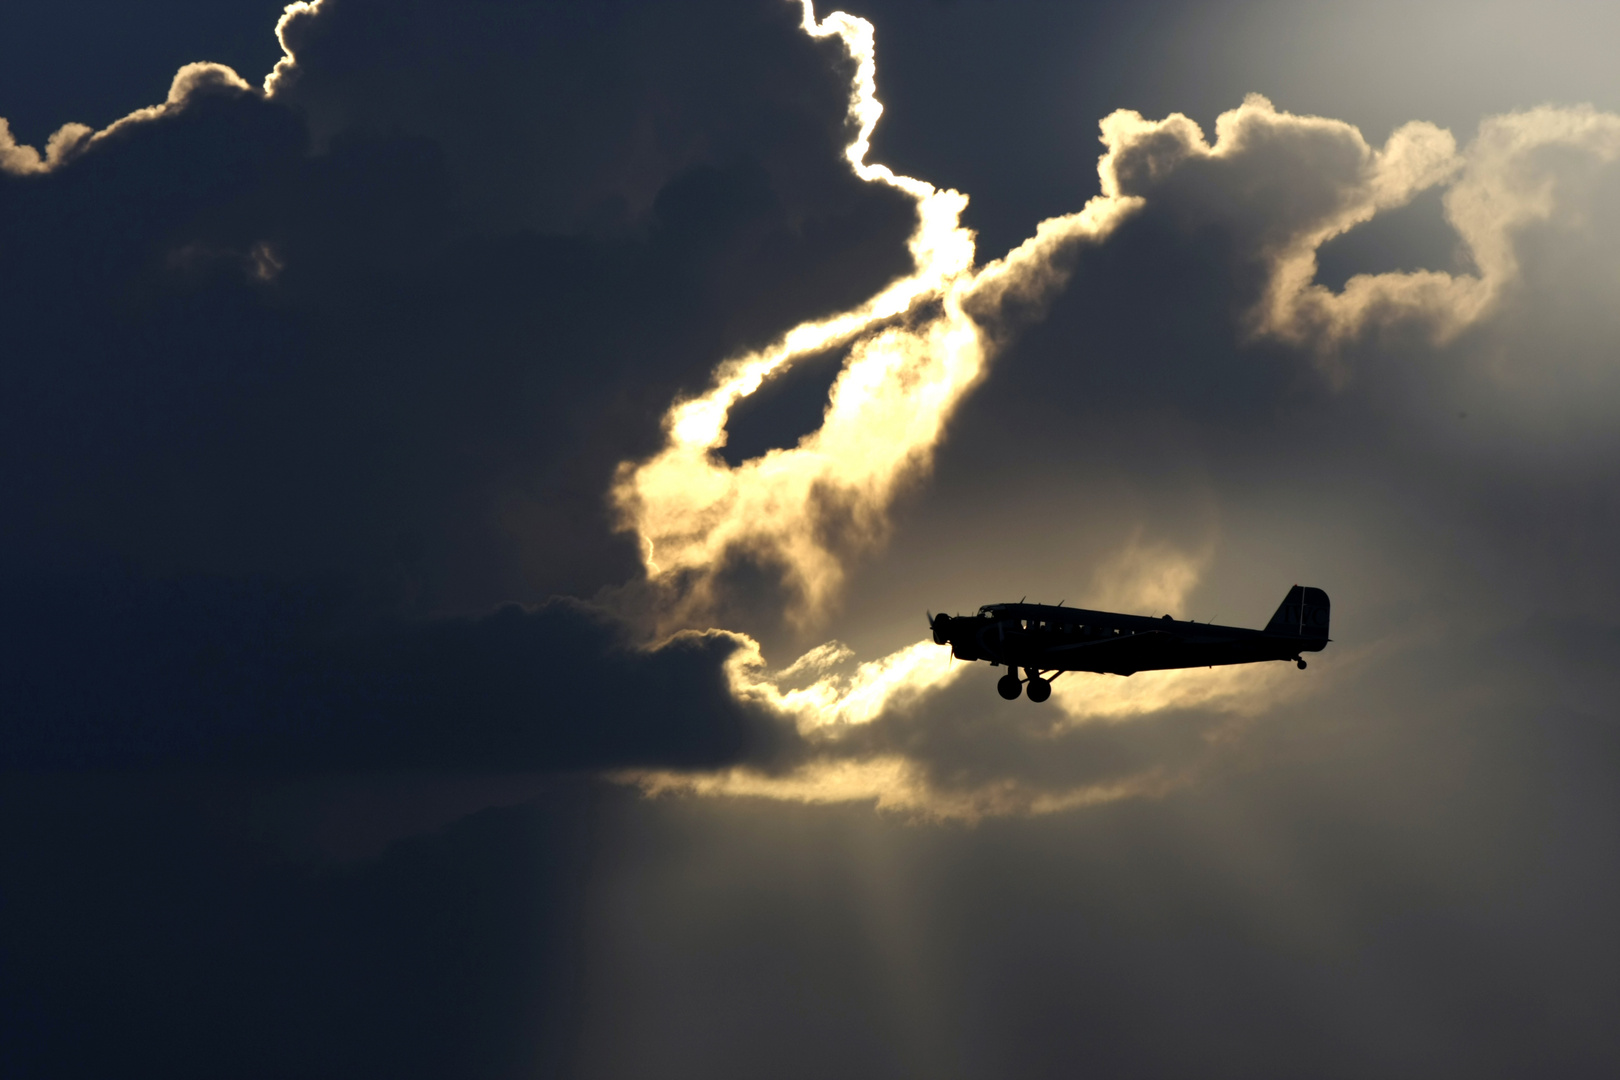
(250,366)
(579,114)
(200,673)
(92,61)
(371,378)
(288,414)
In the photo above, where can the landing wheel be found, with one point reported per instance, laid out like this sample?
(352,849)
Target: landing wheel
(1009,687)
(1301,664)
(1039,689)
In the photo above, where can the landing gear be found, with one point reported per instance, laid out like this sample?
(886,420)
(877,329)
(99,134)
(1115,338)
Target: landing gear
(1039,689)
(1009,687)
(1300,660)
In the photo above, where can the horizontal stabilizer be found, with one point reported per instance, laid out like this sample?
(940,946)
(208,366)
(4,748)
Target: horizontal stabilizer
(1304,614)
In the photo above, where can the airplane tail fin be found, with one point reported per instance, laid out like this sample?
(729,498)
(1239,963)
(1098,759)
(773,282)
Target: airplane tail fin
(1304,614)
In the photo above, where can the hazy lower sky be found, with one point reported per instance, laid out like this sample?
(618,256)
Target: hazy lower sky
(475,474)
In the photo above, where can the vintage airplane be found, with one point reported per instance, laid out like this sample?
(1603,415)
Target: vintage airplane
(1046,641)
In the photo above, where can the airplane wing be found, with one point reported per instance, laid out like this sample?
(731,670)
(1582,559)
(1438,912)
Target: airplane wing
(1122,655)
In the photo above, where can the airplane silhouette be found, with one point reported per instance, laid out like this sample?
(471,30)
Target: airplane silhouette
(1048,641)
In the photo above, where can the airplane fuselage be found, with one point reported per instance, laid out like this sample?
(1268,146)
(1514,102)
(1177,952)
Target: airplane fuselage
(1042,639)
(1063,639)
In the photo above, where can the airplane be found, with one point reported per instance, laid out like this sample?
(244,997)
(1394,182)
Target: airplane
(1047,641)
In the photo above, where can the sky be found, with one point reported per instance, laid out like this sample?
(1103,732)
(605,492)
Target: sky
(476,474)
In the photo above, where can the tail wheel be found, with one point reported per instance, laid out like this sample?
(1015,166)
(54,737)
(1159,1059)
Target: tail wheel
(1039,689)
(1009,687)
(1301,664)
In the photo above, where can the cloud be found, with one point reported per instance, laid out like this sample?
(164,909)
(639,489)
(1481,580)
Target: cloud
(300,389)
(20,160)
(260,367)
(575,119)
(255,471)
(913,352)
(423,397)
(909,733)
(69,140)
(1283,185)
(1274,187)
(294,17)
(211,673)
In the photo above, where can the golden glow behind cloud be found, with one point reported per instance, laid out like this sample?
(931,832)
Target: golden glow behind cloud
(285,67)
(833,701)
(865,724)
(1281,184)
(69,140)
(1287,184)
(913,353)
